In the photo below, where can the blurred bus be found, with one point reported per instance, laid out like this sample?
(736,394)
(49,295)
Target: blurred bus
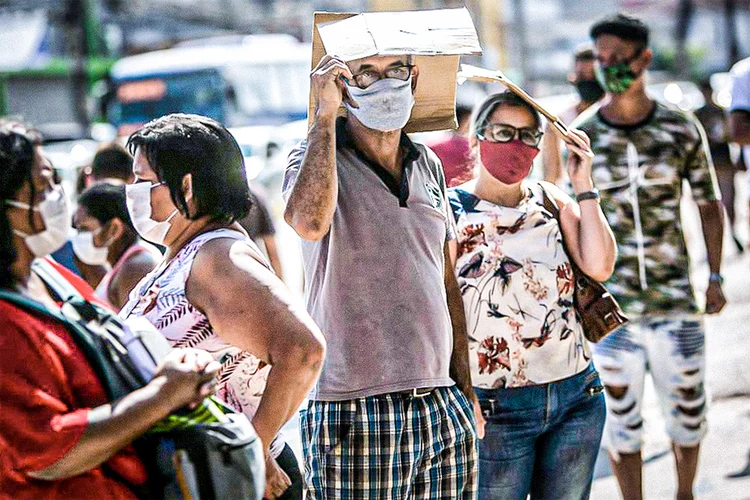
(256,80)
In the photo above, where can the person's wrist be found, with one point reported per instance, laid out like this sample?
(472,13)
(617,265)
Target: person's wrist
(715,278)
(582,186)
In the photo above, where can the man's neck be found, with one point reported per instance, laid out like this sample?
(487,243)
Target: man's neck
(628,108)
(379,147)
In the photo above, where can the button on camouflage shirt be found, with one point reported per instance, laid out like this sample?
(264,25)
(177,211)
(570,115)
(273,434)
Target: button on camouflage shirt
(639,170)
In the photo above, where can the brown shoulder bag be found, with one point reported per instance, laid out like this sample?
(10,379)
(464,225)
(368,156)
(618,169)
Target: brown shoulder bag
(597,309)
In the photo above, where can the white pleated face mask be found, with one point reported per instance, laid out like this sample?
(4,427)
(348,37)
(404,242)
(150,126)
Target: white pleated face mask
(56,218)
(138,200)
(385,105)
(84,248)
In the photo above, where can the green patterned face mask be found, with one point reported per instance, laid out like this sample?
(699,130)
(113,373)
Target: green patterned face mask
(619,77)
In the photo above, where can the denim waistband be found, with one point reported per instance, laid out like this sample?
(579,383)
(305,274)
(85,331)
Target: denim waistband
(572,383)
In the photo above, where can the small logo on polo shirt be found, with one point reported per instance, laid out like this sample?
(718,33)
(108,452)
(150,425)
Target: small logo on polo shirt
(435,195)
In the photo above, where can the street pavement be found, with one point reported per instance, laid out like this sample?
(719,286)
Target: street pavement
(724,468)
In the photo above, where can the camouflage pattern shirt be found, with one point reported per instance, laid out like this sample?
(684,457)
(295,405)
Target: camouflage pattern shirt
(639,170)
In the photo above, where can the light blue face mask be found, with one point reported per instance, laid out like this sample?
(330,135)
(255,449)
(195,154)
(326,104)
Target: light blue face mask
(385,105)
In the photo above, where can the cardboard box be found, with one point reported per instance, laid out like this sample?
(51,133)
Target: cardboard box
(435,38)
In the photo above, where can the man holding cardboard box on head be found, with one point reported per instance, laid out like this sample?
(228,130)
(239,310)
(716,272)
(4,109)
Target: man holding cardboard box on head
(392,415)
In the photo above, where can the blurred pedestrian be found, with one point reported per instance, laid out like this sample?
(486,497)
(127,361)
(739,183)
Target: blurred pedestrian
(715,123)
(61,437)
(106,237)
(590,91)
(530,363)
(260,227)
(214,290)
(739,117)
(644,150)
(391,416)
(113,164)
(454,151)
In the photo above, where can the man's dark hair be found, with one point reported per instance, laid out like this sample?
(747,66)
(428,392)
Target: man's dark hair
(584,52)
(179,144)
(505,98)
(463,112)
(105,202)
(622,26)
(112,162)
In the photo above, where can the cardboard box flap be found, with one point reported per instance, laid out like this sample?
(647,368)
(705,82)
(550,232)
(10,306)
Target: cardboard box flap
(432,32)
(443,36)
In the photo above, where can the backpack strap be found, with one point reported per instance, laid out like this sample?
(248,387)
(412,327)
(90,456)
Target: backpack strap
(84,340)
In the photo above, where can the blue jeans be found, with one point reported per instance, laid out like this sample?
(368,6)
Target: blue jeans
(541,439)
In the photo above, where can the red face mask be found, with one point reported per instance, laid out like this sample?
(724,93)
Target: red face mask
(508,162)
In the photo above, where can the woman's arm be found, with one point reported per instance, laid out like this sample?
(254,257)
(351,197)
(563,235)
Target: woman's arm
(587,234)
(184,378)
(250,308)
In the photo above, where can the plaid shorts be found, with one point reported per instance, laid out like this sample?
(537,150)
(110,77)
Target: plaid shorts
(391,446)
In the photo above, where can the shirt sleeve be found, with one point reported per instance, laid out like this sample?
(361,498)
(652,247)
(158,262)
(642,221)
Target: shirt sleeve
(741,88)
(450,225)
(699,169)
(38,425)
(294,162)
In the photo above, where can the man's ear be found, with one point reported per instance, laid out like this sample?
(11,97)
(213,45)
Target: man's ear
(414,78)
(572,78)
(648,56)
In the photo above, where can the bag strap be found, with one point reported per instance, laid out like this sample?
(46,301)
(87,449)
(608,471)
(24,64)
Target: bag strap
(549,203)
(81,336)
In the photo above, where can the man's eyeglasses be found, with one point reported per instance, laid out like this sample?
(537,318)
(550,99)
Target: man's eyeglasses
(365,78)
(500,132)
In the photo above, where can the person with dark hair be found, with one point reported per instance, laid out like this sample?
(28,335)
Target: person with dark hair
(739,112)
(644,151)
(590,91)
(260,227)
(107,237)
(541,398)
(714,121)
(61,437)
(112,163)
(214,290)
(453,149)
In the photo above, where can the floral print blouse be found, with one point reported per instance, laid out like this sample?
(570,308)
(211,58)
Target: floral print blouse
(517,286)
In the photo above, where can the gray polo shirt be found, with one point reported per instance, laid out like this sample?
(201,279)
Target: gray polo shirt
(375,282)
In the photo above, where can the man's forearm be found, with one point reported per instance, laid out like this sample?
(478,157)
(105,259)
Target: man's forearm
(712,220)
(459,368)
(312,201)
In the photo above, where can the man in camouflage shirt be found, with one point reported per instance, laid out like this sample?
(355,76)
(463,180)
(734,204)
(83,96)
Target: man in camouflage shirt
(644,151)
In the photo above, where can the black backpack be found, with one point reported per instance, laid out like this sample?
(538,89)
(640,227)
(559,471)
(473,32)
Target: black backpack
(188,456)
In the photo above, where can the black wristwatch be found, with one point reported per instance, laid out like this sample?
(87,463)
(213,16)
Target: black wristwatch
(588,195)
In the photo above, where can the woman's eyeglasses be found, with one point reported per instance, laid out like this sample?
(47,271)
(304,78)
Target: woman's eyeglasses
(500,132)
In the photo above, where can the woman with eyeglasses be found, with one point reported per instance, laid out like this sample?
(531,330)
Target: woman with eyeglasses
(531,367)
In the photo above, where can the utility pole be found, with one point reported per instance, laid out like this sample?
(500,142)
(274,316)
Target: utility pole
(519,14)
(733,47)
(685,10)
(75,19)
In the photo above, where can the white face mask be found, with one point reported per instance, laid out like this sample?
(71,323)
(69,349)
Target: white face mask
(385,105)
(84,248)
(138,200)
(56,217)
